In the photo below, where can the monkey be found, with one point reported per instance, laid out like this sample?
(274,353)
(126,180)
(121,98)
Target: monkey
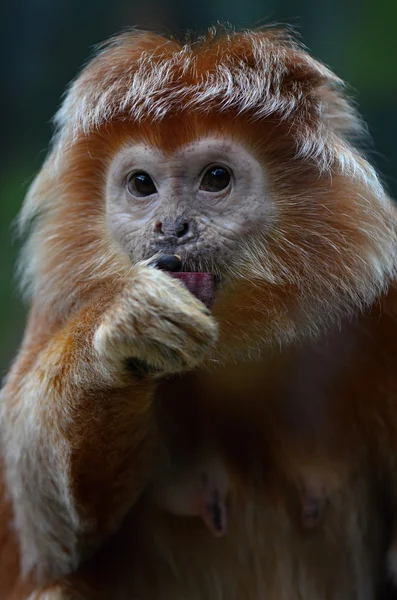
(249,379)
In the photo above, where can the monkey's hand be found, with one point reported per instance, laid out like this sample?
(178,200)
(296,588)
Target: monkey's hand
(156,326)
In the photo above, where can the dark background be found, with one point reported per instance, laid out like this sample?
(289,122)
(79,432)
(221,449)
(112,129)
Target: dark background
(44,42)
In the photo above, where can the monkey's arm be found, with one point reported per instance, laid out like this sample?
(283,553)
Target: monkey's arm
(77,427)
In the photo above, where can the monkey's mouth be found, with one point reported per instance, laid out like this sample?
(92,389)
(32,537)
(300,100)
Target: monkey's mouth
(200,284)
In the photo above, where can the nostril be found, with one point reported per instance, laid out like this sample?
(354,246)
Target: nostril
(182,229)
(158,227)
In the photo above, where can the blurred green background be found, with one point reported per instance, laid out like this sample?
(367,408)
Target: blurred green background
(44,42)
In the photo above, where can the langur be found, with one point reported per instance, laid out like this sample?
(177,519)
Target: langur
(204,404)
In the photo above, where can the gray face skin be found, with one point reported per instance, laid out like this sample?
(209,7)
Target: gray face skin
(198,201)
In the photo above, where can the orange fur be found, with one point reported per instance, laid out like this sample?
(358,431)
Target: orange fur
(291,379)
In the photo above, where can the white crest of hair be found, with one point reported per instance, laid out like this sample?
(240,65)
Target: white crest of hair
(149,87)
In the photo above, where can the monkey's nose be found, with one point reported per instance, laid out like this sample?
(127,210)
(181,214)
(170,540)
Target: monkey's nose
(178,227)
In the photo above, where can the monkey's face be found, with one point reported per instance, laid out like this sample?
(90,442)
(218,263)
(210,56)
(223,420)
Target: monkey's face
(198,200)
(229,151)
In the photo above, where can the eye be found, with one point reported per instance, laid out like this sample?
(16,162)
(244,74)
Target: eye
(140,184)
(215,179)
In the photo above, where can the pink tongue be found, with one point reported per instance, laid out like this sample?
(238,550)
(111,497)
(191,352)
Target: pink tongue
(199,284)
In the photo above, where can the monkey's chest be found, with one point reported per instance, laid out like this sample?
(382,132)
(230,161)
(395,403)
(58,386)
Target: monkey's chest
(265,552)
(296,522)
